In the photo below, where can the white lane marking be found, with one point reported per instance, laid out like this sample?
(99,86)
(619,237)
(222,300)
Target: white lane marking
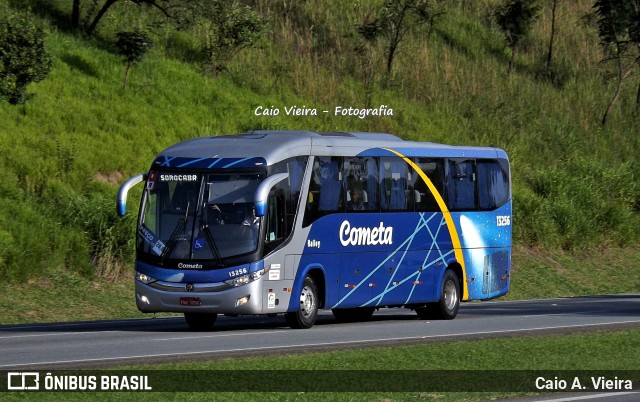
(85,323)
(180,338)
(88,331)
(529,329)
(570,313)
(408,338)
(597,298)
(60,334)
(206,352)
(146,340)
(583,397)
(600,299)
(294,346)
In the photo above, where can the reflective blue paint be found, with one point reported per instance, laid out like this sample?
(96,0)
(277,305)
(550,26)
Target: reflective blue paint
(121,207)
(208,163)
(194,275)
(410,270)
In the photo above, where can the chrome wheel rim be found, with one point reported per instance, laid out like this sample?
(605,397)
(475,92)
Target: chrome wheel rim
(307,302)
(450,295)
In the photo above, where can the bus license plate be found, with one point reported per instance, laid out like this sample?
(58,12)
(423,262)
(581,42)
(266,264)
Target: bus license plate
(190,301)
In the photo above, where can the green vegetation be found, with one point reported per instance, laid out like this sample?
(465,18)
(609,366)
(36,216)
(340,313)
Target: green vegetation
(515,18)
(23,57)
(132,46)
(619,35)
(576,182)
(616,350)
(228,29)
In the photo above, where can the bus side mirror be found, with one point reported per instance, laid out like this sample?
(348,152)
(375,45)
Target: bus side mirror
(121,198)
(262,192)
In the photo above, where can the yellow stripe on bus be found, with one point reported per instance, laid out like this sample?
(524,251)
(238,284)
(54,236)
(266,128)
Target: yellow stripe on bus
(453,232)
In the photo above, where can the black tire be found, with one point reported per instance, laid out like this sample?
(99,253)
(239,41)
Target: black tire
(307,312)
(353,314)
(449,304)
(200,321)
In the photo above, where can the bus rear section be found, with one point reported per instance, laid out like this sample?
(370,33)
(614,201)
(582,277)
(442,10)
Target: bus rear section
(427,232)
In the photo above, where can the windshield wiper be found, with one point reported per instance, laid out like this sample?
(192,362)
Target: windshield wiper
(171,243)
(204,227)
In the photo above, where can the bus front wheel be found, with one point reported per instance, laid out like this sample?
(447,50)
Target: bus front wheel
(307,311)
(447,307)
(200,321)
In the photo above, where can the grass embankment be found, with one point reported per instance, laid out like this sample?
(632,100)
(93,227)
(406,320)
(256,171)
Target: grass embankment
(576,186)
(600,352)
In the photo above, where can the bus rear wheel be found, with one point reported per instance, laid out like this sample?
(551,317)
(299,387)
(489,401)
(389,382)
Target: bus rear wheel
(305,316)
(200,321)
(448,305)
(353,314)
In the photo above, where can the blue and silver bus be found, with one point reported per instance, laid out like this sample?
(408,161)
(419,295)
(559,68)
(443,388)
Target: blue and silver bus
(290,222)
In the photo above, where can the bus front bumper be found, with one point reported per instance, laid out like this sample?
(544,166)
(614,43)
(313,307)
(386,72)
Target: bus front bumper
(199,298)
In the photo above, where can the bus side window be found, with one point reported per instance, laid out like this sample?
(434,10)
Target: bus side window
(276,229)
(425,201)
(330,187)
(360,177)
(325,189)
(493,184)
(395,192)
(461,185)
(292,187)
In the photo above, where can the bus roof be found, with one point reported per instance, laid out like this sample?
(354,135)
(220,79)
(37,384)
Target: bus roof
(274,146)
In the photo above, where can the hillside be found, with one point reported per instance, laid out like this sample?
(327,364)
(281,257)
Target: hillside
(576,182)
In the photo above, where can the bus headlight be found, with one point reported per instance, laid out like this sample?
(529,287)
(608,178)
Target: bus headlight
(244,279)
(144,278)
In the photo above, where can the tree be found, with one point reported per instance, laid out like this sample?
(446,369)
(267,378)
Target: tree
(515,18)
(23,56)
(365,62)
(133,46)
(554,6)
(397,18)
(618,23)
(229,28)
(163,6)
(75,14)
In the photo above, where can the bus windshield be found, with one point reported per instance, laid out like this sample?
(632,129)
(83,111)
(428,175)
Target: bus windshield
(195,216)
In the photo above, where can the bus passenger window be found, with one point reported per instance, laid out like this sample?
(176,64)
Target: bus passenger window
(356,199)
(425,201)
(493,184)
(276,231)
(394,191)
(295,167)
(325,189)
(329,198)
(461,185)
(360,177)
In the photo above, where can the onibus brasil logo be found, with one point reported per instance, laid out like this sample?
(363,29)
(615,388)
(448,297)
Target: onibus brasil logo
(33,381)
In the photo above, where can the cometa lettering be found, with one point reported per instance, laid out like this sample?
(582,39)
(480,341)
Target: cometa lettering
(365,236)
(189,266)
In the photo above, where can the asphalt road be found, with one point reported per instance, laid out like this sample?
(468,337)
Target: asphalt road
(103,343)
